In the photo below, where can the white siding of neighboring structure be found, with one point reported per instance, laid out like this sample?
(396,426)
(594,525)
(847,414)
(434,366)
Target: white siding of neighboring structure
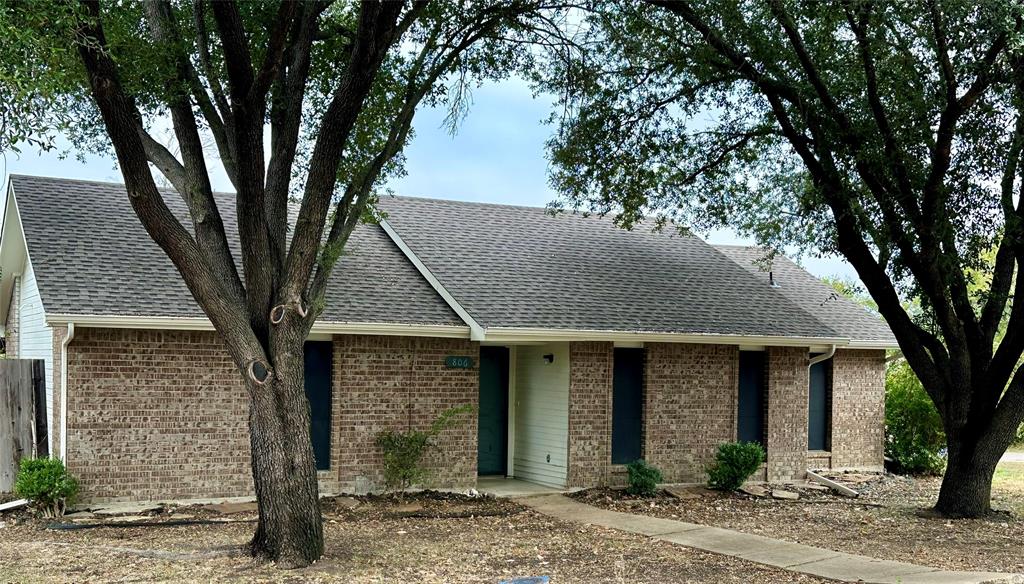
(35,337)
(542,414)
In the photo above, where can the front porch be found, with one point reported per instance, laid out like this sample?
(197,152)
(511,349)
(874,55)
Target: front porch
(503,488)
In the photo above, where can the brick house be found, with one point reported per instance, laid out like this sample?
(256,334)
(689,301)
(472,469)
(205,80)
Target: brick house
(581,345)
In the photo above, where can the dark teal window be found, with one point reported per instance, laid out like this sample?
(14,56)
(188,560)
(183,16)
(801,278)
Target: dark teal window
(819,406)
(751,408)
(627,405)
(318,361)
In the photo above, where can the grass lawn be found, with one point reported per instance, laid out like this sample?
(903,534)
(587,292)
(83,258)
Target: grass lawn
(887,520)
(1008,483)
(370,540)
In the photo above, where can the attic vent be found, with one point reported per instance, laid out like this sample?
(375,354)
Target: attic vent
(771,280)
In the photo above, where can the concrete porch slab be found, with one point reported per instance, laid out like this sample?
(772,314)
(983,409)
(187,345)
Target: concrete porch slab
(503,488)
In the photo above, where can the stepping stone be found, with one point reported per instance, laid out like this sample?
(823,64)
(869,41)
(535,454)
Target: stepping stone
(408,508)
(230,508)
(131,518)
(127,508)
(787,495)
(682,493)
(754,490)
(78,515)
(346,502)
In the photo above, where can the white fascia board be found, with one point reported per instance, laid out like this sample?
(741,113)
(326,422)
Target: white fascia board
(884,345)
(513,335)
(476,332)
(11,206)
(204,324)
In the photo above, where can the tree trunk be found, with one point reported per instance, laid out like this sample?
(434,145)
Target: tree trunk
(967,484)
(290,529)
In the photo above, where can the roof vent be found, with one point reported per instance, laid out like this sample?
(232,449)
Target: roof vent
(771,280)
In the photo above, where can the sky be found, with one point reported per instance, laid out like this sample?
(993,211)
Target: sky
(497,155)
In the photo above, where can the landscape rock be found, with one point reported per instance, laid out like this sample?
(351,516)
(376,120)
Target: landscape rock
(127,508)
(682,493)
(230,508)
(754,490)
(346,502)
(131,518)
(787,495)
(408,508)
(79,515)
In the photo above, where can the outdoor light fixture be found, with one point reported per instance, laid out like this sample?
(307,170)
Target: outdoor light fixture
(550,357)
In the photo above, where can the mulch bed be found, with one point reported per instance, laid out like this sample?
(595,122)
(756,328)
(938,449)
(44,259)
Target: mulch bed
(427,537)
(889,520)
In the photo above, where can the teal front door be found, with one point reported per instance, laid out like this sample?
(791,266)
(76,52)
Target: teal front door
(492,454)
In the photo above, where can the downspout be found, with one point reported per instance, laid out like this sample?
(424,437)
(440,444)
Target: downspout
(64,391)
(822,357)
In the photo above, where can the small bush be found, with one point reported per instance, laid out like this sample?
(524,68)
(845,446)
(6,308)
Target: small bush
(47,484)
(1019,439)
(643,478)
(914,438)
(734,463)
(404,450)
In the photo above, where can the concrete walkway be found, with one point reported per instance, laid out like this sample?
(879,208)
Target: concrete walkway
(762,550)
(1012,457)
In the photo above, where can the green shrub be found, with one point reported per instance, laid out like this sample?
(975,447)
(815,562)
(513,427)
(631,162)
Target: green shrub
(914,438)
(403,451)
(643,478)
(47,484)
(1019,439)
(734,463)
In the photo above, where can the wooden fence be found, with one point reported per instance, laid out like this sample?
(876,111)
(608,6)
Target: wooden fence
(23,427)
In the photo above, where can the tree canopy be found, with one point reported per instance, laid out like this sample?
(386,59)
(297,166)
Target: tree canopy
(308,103)
(889,133)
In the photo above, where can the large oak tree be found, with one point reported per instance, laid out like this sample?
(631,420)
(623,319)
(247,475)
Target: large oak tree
(890,133)
(309,102)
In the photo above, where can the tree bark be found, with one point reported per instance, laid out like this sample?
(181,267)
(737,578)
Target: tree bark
(290,528)
(967,484)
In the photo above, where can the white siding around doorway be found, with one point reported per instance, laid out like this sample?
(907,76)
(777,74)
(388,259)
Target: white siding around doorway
(541,418)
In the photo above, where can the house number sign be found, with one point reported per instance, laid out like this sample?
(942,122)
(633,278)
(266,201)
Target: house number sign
(452,362)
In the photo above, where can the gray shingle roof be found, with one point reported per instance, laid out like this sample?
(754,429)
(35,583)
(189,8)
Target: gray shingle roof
(515,267)
(521,267)
(91,256)
(848,318)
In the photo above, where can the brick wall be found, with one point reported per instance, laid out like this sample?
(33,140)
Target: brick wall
(398,383)
(12,324)
(156,415)
(858,409)
(690,406)
(787,413)
(164,414)
(590,413)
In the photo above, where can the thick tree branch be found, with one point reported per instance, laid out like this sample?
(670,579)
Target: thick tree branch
(285,126)
(275,51)
(118,113)
(191,180)
(378,29)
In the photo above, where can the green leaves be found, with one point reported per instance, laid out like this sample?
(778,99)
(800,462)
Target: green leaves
(47,484)
(658,121)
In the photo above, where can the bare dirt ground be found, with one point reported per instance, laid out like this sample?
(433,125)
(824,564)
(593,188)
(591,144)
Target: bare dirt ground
(888,520)
(426,538)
